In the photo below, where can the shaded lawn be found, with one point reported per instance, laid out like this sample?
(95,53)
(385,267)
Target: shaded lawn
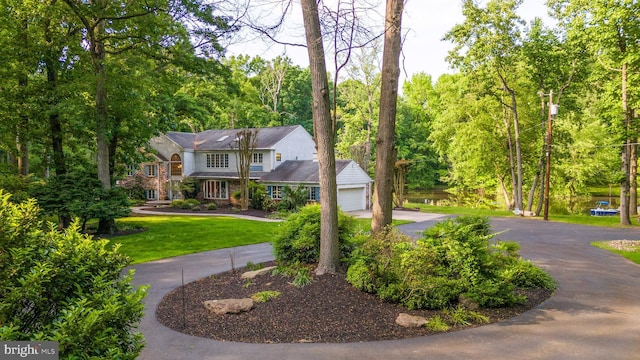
(169,236)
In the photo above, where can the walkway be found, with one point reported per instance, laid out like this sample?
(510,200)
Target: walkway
(595,313)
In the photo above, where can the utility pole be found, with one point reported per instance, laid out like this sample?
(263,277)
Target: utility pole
(553,110)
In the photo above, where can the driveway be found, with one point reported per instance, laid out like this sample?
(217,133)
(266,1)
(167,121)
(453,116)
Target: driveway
(594,314)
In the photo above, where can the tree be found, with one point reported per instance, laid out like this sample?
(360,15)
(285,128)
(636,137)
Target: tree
(112,28)
(417,110)
(385,140)
(324,136)
(247,140)
(399,180)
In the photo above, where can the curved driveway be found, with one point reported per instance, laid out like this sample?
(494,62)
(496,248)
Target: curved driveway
(594,314)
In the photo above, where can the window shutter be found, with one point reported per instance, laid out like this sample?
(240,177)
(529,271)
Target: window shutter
(269,190)
(317,193)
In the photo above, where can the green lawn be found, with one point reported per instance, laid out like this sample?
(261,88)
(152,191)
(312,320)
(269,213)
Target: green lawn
(608,221)
(168,236)
(631,255)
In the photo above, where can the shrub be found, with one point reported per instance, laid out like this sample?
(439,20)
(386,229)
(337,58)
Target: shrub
(455,258)
(177,203)
(65,287)
(80,194)
(298,237)
(258,197)
(189,204)
(293,198)
(212,206)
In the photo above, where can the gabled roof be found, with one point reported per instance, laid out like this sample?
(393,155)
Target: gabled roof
(226,139)
(300,171)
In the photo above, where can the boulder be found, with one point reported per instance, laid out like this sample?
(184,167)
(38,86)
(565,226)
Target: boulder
(407,320)
(259,272)
(229,306)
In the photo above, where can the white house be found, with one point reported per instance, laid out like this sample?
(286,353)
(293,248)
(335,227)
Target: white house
(283,156)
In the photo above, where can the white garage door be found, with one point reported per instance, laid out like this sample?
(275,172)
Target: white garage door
(351,199)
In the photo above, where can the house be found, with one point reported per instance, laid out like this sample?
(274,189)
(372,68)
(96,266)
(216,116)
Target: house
(283,156)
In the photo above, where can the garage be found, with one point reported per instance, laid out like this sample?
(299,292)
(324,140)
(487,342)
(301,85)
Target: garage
(351,199)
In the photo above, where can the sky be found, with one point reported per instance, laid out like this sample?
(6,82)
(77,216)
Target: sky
(424,23)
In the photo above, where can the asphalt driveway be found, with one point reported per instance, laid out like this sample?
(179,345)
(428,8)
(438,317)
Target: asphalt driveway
(594,314)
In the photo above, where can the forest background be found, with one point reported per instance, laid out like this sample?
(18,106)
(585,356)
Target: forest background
(87,84)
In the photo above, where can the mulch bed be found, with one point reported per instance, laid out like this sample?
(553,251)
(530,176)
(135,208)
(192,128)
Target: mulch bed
(329,310)
(203,210)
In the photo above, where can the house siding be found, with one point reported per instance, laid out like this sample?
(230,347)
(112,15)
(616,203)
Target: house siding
(297,145)
(352,174)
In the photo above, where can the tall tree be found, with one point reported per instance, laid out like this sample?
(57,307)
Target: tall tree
(324,136)
(385,140)
(486,46)
(613,28)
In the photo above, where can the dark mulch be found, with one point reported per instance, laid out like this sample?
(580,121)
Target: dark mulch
(329,310)
(203,210)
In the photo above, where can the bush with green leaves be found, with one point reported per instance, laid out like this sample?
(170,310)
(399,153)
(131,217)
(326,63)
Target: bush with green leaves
(65,287)
(293,198)
(81,195)
(455,258)
(298,237)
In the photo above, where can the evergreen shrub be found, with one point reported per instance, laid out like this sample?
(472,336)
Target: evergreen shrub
(65,287)
(454,258)
(298,237)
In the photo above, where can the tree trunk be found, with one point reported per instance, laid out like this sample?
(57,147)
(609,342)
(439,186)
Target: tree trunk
(541,162)
(625,154)
(511,159)
(323,133)
(385,140)
(98,54)
(633,173)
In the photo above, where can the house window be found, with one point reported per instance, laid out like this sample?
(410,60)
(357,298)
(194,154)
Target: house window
(131,170)
(151,170)
(176,165)
(313,193)
(215,189)
(276,192)
(257,158)
(151,194)
(217,160)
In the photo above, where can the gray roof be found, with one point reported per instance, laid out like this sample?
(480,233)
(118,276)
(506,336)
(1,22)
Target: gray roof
(300,171)
(225,139)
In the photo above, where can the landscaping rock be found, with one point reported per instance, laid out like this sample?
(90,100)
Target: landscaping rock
(229,306)
(259,272)
(407,320)
(468,303)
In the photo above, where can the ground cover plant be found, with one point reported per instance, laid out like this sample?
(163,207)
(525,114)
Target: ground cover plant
(65,287)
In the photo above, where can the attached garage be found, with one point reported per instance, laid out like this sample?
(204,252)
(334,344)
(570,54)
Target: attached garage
(352,199)
(354,185)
